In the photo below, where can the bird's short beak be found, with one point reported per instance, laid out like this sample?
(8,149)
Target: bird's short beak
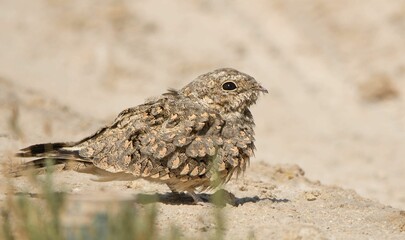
(261,89)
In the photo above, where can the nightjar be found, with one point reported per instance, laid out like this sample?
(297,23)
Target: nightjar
(192,139)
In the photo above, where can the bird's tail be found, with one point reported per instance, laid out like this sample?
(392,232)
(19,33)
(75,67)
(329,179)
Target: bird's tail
(49,150)
(58,156)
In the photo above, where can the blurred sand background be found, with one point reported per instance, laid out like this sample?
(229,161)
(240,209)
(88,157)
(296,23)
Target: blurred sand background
(335,71)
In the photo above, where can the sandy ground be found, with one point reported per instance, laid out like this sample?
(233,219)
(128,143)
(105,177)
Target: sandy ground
(335,71)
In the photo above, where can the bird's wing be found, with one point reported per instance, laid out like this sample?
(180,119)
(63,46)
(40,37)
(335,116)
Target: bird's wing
(165,138)
(153,138)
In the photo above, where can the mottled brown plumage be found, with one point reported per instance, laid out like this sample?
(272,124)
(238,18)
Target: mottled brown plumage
(191,139)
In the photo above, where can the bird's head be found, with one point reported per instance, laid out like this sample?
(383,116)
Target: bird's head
(225,89)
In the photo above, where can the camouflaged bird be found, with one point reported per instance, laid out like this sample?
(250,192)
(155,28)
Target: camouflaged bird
(192,139)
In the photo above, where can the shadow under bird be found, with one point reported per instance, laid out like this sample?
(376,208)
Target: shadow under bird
(192,139)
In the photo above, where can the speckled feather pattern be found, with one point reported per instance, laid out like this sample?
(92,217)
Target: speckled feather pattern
(181,138)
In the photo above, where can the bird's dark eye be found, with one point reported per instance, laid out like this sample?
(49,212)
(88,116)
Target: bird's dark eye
(229,86)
